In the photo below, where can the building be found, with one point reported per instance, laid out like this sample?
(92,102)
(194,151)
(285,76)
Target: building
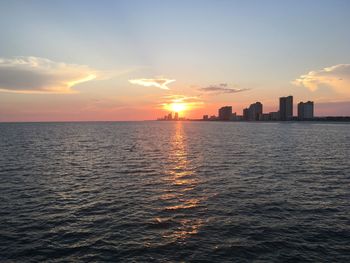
(286,108)
(264,117)
(255,110)
(274,116)
(176,117)
(170,117)
(225,113)
(234,116)
(306,110)
(205,117)
(245,114)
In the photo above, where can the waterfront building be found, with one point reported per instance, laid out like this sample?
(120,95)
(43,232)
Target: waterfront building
(225,113)
(255,110)
(306,110)
(239,118)
(264,117)
(233,116)
(176,117)
(286,108)
(274,116)
(170,116)
(245,114)
(205,117)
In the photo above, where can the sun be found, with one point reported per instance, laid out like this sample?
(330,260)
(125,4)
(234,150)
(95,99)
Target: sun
(178,107)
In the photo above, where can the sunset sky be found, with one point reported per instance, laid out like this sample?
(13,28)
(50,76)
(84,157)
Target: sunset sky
(135,60)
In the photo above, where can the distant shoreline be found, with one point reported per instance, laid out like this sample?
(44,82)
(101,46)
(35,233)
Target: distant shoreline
(315,120)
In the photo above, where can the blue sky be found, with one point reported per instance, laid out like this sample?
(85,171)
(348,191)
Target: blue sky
(261,46)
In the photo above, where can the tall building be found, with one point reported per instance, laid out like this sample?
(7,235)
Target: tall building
(255,110)
(286,108)
(306,110)
(176,117)
(225,113)
(246,114)
(170,117)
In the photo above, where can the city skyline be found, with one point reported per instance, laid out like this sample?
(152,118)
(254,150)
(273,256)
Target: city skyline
(86,61)
(305,111)
(255,112)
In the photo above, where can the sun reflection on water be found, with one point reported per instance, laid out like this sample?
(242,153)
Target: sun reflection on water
(179,198)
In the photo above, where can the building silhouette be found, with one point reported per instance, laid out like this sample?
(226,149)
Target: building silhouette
(225,113)
(274,116)
(254,112)
(176,117)
(286,108)
(246,114)
(306,110)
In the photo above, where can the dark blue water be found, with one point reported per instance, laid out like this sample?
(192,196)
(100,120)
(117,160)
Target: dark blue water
(175,191)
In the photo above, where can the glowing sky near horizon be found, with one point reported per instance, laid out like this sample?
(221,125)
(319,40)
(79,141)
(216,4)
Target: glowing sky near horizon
(135,60)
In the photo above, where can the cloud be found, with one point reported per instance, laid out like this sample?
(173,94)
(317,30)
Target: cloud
(221,88)
(156,82)
(191,102)
(41,75)
(335,77)
(181,98)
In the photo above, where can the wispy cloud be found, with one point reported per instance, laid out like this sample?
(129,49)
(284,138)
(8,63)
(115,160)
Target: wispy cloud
(335,77)
(221,88)
(155,82)
(181,98)
(41,75)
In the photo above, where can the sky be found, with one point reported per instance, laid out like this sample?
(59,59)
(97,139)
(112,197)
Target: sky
(138,60)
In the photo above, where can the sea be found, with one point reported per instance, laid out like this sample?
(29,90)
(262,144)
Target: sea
(166,191)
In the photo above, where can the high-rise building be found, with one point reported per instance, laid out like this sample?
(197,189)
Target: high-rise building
(225,113)
(286,108)
(246,114)
(170,117)
(306,110)
(205,117)
(255,110)
(176,117)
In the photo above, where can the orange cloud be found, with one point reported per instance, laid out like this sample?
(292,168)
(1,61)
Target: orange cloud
(41,75)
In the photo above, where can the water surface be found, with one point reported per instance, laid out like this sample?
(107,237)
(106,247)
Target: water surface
(175,191)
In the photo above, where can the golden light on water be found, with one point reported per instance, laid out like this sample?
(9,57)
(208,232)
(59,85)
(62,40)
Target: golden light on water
(180,180)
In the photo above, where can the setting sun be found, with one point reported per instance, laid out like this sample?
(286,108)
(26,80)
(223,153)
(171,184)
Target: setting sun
(178,107)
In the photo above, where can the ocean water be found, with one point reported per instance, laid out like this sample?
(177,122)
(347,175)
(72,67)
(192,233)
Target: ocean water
(175,192)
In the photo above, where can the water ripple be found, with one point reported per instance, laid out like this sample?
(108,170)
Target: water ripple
(175,192)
